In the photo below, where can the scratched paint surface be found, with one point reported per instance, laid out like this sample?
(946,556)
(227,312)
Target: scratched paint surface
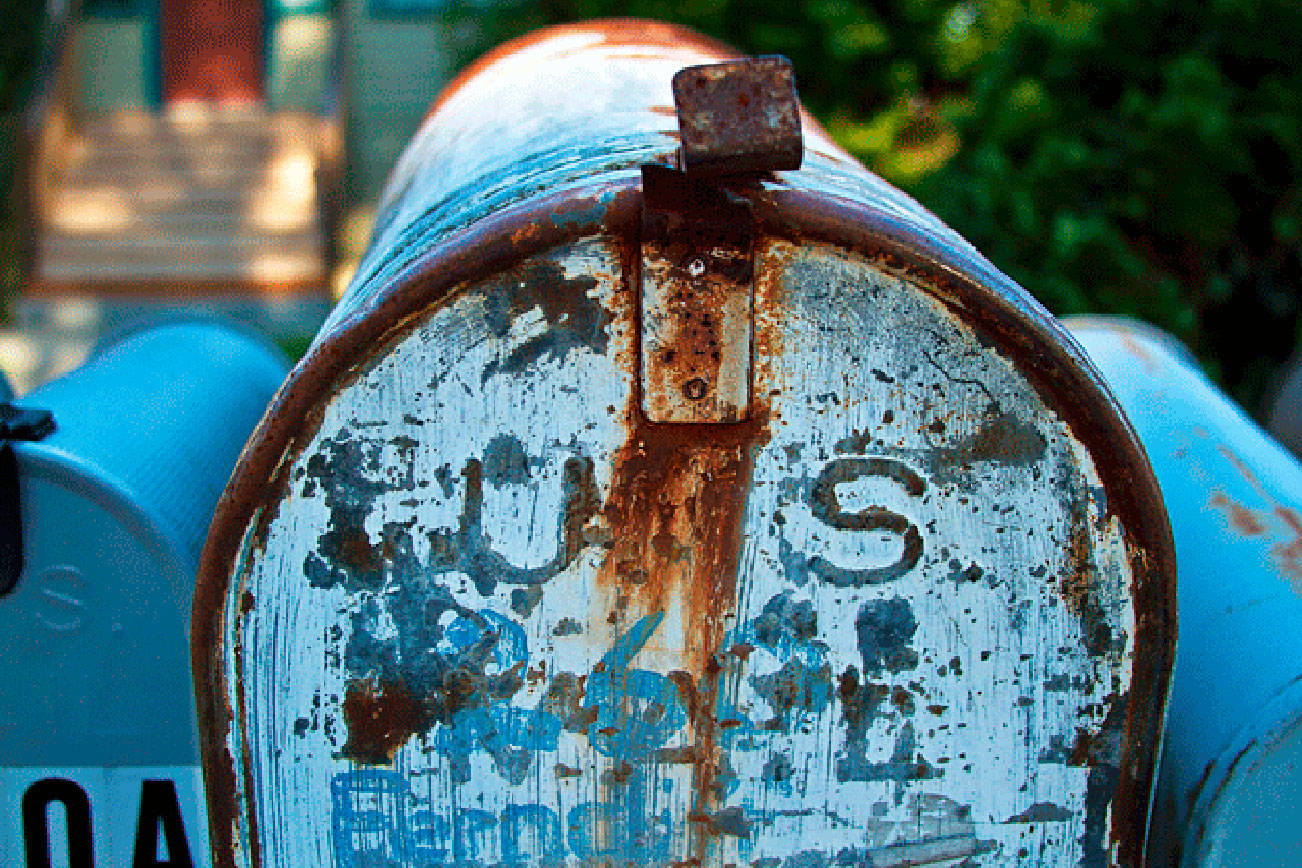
(511,133)
(496,619)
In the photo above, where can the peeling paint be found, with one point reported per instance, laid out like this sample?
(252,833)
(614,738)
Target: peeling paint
(542,628)
(1278,523)
(576,320)
(885,628)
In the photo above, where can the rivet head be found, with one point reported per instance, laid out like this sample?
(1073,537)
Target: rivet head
(695,388)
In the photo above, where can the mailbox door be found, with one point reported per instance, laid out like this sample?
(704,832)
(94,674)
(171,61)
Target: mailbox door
(494,615)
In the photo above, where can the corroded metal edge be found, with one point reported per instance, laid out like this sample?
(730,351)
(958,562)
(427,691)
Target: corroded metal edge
(1021,328)
(879,230)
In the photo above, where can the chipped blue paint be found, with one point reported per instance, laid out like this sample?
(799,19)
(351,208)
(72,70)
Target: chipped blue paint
(581,217)
(637,710)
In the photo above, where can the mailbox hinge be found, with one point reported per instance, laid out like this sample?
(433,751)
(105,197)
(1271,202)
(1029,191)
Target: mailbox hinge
(698,275)
(16,424)
(736,120)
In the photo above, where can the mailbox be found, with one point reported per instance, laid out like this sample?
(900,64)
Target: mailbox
(650,500)
(108,479)
(1230,788)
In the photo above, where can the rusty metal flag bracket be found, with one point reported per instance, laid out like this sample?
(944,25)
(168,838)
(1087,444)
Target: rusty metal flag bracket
(736,119)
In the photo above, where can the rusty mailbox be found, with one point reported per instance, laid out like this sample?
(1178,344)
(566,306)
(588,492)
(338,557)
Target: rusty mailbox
(649,500)
(1229,792)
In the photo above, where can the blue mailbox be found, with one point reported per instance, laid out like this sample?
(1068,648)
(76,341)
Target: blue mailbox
(1229,788)
(115,471)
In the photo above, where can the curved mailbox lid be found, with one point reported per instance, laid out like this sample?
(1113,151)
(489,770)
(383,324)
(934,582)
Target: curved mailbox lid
(161,415)
(115,504)
(463,602)
(1230,788)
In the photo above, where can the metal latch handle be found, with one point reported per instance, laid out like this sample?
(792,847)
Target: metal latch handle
(26,425)
(736,120)
(738,117)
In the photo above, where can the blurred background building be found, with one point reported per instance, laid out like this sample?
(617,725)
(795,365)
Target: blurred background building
(192,156)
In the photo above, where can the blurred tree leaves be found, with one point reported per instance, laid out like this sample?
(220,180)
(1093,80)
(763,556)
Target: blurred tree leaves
(1143,158)
(20,44)
(1130,156)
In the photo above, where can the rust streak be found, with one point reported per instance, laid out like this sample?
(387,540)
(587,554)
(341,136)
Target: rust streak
(1138,351)
(1288,551)
(1241,518)
(674,513)
(1077,583)
(677,498)
(675,510)
(381,716)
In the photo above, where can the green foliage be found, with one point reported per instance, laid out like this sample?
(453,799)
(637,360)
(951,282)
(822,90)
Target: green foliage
(1130,156)
(20,43)
(1144,159)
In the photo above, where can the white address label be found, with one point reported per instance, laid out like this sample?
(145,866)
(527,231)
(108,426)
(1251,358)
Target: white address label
(135,816)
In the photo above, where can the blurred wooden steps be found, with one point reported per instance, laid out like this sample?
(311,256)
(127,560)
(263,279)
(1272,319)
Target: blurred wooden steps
(193,201)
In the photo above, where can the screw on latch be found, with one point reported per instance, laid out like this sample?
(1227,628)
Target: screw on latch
(738,116)
(697,276)
(736,119)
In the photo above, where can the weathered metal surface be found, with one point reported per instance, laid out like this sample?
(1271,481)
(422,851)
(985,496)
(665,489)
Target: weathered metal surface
(738,116)
(466,603)
(697,275)
(96,703)
(1230,788)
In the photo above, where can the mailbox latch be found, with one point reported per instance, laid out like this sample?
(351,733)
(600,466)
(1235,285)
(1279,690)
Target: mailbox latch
(738,117)
(22,424)
(698,269)
(736,120)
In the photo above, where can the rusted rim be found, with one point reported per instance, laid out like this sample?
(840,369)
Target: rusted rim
(1023,329)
